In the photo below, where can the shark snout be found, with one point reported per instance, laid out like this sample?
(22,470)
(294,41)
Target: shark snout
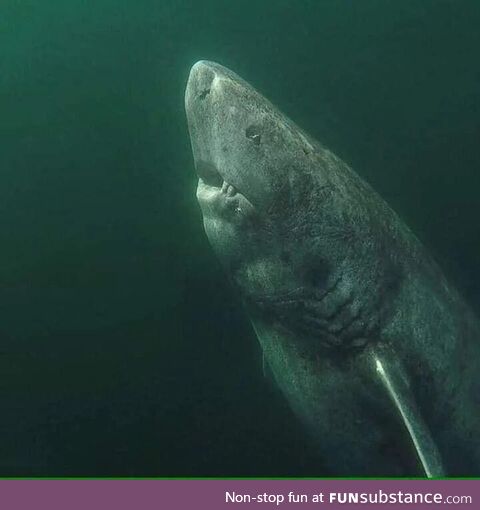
(200,82)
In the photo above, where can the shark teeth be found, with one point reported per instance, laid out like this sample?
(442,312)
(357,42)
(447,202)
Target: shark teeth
(228,189)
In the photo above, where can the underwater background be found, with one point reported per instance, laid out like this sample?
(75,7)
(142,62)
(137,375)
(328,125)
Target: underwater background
(123,350)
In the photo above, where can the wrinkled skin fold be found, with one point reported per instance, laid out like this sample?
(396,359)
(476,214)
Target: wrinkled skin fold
(333,280)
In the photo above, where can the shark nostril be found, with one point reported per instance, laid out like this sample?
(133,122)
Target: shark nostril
(204,93)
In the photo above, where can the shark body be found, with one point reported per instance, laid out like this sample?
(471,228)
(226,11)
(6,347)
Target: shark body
(376,352)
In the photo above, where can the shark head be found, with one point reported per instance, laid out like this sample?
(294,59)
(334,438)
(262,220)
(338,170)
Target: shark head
(289,221)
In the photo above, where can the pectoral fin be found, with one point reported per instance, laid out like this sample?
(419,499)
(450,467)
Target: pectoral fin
(394,382)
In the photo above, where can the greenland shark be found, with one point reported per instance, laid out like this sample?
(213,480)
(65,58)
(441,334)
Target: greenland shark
(375,350)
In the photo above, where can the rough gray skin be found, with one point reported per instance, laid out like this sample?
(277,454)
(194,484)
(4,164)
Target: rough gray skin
(332,278)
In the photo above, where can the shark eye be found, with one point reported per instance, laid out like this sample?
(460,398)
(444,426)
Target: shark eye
(253,133)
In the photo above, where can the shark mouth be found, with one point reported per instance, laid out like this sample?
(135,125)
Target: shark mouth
(208,173)
(210,176)
(220,196)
